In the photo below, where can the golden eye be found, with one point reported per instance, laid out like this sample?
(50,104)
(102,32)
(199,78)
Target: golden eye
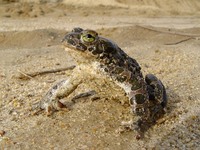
(87,38)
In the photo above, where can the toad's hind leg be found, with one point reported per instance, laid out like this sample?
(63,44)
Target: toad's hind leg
(51,100)
(157,96)
(149,106)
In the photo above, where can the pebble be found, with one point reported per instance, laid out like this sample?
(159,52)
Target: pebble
(2,132)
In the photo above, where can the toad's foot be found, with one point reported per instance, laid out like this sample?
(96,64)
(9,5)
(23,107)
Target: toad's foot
(51,101)
(133,125)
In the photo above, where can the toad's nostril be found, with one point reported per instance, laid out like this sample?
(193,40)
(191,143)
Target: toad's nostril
(70,41)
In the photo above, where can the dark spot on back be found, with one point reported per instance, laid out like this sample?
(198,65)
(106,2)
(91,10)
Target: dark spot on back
(139,98)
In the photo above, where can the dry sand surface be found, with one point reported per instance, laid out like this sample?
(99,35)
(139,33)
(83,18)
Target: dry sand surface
(162,35)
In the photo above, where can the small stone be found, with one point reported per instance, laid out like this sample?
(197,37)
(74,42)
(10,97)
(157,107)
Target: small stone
(190,97)
(2,132)
(57,64)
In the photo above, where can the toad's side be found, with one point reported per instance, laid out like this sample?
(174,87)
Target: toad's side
(97,56)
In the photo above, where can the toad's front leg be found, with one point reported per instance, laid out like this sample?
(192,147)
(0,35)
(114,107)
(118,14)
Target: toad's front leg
(51,101)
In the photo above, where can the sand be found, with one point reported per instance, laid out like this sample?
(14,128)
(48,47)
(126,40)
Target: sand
(162,35)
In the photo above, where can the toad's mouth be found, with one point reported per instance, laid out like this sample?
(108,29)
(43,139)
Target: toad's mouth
(75,54)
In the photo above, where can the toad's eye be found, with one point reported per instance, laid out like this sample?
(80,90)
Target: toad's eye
(87,38)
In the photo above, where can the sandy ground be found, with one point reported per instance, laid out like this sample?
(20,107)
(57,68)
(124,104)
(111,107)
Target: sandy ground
(163,36)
